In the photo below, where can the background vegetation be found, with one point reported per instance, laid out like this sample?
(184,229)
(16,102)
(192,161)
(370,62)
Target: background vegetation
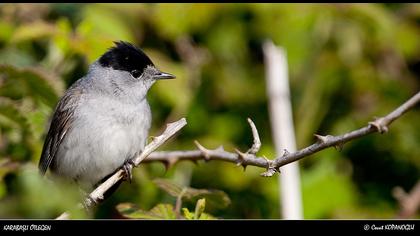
(347,64)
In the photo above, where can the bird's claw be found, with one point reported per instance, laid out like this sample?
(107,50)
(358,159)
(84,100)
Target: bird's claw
(127,168)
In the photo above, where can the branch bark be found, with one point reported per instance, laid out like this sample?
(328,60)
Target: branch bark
(380,125)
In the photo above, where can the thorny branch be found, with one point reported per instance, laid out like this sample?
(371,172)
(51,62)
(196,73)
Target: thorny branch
(169,158)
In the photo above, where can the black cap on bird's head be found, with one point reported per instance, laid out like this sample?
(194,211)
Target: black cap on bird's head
(125,56)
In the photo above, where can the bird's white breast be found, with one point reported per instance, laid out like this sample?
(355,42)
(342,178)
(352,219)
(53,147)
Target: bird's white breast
(104,135)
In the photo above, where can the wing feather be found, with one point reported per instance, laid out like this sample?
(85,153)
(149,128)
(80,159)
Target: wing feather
(60,125)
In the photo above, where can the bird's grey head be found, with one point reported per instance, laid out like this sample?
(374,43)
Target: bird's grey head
(126,71)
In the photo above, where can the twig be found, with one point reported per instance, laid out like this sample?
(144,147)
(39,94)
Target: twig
(409,202)
(178,203)
(379,125)
(98,194)
(257,143)
(64,216)
(239,158)
(323,142)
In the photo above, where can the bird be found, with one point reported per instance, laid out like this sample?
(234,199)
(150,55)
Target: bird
(103,119)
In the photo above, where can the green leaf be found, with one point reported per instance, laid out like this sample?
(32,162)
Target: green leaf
(108,22)
(199,212)
(187,214)
(320,182)
(11,111)
(17,57)
(3,189)
(215,198)
(42,198)
(206,216)
(6,30)
(33,31)
(160,211)
(20,83)
(171,188)
(180,24)
(165,211)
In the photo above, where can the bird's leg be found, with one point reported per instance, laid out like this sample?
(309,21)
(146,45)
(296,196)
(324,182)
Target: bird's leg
(127,168)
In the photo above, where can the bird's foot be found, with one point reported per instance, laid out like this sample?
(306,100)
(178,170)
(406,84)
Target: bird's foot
(127,168)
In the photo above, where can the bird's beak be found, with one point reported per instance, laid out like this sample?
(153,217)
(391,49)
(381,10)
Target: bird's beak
(163,75)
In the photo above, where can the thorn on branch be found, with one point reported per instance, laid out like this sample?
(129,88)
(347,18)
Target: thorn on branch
(165,164)
(323,139)
(270,172)
(169,163)
(203,150)
(90,201)
(152,138)
(194,161)
(257,142)
(379,124)
(241,159)
(220,149)
(271,169)
(339,146)
(320,138)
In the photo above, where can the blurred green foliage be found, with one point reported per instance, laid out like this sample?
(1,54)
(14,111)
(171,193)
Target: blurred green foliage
(216,198)
(347,64)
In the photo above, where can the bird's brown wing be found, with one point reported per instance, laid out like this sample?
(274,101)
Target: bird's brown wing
(61,123)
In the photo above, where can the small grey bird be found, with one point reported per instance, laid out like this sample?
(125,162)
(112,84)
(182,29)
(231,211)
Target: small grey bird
(103,119)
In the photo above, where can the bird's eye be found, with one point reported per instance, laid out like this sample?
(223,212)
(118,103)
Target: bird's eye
(135,73)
